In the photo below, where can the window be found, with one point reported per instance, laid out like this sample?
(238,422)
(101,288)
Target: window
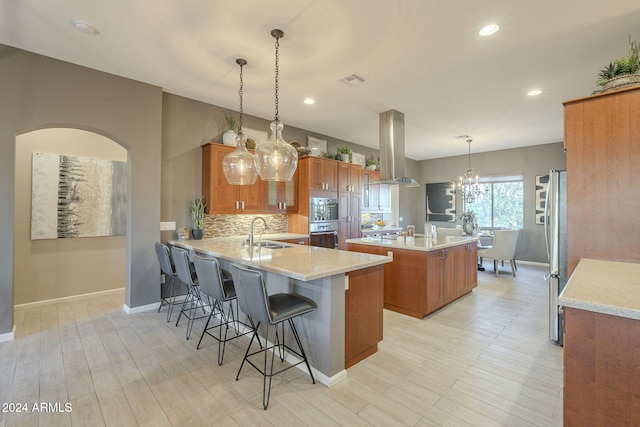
(502,204)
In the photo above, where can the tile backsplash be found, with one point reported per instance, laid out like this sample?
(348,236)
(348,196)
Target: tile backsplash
(238,225)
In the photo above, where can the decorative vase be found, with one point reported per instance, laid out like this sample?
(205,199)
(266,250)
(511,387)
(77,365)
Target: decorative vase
(468,228)
(197,233)
(621,82)
(229,138)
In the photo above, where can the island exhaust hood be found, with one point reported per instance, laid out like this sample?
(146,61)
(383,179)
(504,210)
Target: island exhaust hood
(392,150)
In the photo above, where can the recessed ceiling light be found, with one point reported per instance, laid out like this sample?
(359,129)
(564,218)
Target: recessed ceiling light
(534,92)
(309,101)
(84,27)
(487,30)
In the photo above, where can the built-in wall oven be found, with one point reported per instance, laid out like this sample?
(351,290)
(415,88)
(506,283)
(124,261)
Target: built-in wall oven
(323,222)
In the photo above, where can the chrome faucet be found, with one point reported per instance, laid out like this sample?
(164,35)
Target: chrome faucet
(266,227)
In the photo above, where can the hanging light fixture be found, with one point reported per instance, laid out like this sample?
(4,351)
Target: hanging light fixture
(239,166)
(465,186)
(276,159)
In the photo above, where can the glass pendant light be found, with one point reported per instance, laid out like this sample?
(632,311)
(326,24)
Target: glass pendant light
(276,159)
(239,166)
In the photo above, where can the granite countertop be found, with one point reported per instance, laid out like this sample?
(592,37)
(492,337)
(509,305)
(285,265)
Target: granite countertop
(415,243)
(299,262)
(607,287)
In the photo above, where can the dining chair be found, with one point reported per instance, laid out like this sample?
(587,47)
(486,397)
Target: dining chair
(503,249)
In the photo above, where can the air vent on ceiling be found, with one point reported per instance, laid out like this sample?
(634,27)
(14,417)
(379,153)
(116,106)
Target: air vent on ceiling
(352,79)
(463,137)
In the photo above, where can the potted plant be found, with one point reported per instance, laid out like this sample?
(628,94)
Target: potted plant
(468,222)
(623,72)
(373,164)
(328,155)
(229,135)
(344,153)
(197,217)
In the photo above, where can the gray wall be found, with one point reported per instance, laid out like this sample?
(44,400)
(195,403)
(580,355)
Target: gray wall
(39,92)
(529,161)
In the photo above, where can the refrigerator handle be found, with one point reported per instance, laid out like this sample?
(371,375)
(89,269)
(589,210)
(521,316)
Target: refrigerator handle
(547,215)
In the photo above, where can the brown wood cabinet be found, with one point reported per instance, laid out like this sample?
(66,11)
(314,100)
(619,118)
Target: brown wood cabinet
(417,283)
(602,141)
(601,369)
(349,202)
(224,198)
(300,241)
(363,314)
(322,175)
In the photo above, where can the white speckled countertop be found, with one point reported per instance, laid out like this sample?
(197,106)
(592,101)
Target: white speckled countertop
(299,262)
(607,287)
(416,243)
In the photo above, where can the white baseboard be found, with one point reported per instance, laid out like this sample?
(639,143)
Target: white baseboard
(9,335)
(538,264)
(66,299)
(140,308)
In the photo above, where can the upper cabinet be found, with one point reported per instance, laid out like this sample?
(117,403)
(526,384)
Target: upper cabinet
(224,198)
(375,197)
(349,178)
(602,139)
(323,174)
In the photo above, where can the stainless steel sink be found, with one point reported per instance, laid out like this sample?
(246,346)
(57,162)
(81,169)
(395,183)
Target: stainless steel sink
(271,245)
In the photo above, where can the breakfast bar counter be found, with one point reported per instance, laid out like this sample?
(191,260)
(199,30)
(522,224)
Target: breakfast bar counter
(346,286)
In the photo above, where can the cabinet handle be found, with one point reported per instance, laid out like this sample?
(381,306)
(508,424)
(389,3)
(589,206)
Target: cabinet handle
(243,205)
(237,205)
(284,205)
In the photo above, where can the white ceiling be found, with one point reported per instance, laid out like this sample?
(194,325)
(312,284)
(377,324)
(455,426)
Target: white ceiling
(421,57)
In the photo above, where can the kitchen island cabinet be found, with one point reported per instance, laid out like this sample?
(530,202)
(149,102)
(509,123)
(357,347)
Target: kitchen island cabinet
(602,344)
(346,327)
(425,275)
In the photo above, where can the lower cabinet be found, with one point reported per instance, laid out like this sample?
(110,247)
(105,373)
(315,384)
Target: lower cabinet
(300,241)
(417,282)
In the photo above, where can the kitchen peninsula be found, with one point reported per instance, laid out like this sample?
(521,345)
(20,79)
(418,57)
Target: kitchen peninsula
(347,286)
(426,274)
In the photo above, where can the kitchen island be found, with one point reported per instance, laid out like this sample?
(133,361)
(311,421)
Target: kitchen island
(335,280)
(602,344)
(426,274)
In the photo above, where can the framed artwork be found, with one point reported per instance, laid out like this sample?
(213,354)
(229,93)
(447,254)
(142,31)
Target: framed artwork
(358,159)
(542,183)
(77,197)
(316,145)
(258,136)
(441,202)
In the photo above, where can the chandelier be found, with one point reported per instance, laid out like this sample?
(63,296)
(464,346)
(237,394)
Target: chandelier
(238,166)
(465,187)
(276,159)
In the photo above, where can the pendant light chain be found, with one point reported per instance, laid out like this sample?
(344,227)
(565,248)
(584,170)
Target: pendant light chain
(240,93)
(277,116)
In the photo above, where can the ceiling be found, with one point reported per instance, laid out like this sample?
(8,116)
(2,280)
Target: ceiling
(421,57)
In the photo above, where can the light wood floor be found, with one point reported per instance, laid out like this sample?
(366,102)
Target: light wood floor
(484,360)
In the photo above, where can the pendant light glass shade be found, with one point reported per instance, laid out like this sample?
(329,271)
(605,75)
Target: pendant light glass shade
(239,166)
(276,159)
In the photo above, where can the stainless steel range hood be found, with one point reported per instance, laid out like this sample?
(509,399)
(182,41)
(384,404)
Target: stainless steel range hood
(392,150)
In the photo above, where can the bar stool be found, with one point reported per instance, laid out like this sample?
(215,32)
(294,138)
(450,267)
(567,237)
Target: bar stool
(171,278)
(193,300)
(272,310)
(219,288)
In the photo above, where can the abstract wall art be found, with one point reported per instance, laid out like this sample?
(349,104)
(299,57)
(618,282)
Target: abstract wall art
(542,182)
(441,202)
(77,197)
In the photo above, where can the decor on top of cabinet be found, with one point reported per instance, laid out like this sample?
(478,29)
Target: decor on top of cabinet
(372,164)
(317,146)
(344,153)
(329,156)
(623,72)
(358,159)
(229,135)
(197,217)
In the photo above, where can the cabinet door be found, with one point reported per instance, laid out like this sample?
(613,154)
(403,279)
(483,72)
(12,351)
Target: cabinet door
(273,193)
(316,174)
(330,174)
(435,270)
(453,258)
(349,177)
(472,266)
(355,178)
(218,193)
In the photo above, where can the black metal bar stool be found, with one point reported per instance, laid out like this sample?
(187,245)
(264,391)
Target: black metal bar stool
(272,310)
(171,279)
(193,301)
(219,288)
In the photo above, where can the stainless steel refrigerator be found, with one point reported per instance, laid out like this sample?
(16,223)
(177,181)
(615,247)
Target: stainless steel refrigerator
(555,221)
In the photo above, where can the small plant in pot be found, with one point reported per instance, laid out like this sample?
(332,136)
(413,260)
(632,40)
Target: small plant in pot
(623,72)
(197,217)
(373,164)
(344,153)
(229,135)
